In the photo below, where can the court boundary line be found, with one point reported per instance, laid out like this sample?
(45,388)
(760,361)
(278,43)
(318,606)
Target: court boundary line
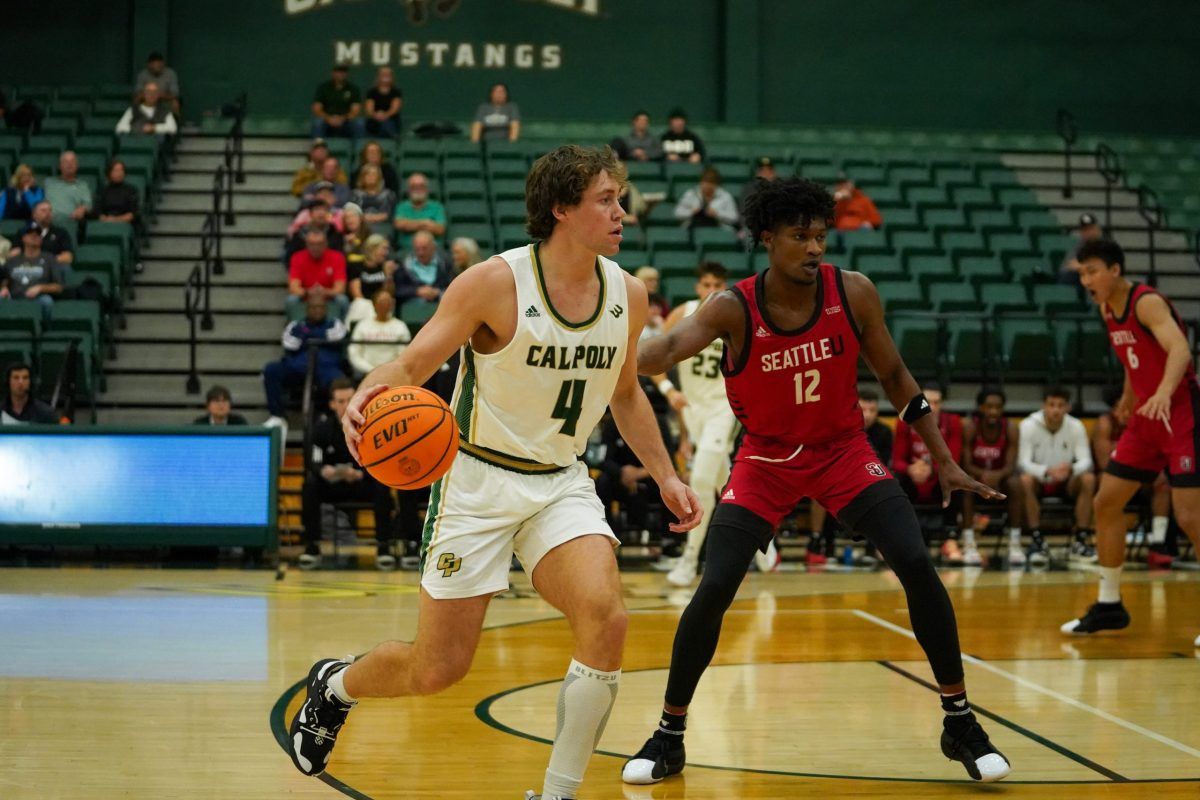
(1037,687)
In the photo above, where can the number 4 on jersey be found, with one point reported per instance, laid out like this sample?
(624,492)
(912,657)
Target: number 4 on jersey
(569,405)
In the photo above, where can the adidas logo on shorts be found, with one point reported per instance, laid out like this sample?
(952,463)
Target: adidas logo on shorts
(728,495)
(761,332)
(532,312)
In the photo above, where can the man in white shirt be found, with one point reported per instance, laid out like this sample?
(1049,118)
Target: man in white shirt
(151,117)
(380,340)
(1055,460)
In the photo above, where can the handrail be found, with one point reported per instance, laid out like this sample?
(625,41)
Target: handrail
(234,149)
(64,384)
(306,402)
(210,231)
(1155,216)
(193,297)
(1196,247)
(1065,122)
(1108,164)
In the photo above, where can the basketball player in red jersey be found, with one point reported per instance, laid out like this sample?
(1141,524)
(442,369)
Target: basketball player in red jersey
(792,338)
(1162,402)
(990,457)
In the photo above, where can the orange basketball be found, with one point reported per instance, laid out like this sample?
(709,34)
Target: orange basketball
(409,437)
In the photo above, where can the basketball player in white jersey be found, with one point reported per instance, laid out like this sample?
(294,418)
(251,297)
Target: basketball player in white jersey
(708,425)
(549,339)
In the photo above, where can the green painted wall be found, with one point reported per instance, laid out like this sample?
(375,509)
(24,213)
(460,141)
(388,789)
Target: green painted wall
(54,42)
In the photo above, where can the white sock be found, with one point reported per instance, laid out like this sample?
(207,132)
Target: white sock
(337,685)
(968,537)
(1110,585)
(1158,530)
(1014,537)
(584,703)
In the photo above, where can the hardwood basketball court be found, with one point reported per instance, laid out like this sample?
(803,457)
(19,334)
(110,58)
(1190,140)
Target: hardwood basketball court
(147,683)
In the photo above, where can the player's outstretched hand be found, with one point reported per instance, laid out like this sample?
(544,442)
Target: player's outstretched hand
(683,503)
(1158,407)
(352,420)
(953,478)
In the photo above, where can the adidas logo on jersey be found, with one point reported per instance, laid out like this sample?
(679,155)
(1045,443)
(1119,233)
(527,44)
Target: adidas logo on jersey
(761,333)
(833,310)
(728,495)
(532,312)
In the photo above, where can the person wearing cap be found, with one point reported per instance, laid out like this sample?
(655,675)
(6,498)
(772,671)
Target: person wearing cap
(852,209)
(333,179)
(1088,229)
(56,242)
(320,217)
(764,170)
(640,144)
(337,107)
(32,275)
(310,173)
(219,404)
(679,143)
(157,71)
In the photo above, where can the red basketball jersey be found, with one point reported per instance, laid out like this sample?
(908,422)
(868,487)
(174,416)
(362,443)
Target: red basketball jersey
(989,455)
(1143,357)
(798,387)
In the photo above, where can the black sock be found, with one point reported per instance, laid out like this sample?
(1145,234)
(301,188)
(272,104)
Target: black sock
(1082,535)
(1035,536)
(958,710)
(672,724)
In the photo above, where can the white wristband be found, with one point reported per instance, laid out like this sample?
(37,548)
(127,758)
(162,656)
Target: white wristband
(665,386)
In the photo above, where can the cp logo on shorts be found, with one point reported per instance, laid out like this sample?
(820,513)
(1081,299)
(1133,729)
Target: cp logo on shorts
(876,470)
(449,564)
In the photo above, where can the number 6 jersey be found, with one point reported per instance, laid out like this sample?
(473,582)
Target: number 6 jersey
(534,402)
(798,387)
(1140,353)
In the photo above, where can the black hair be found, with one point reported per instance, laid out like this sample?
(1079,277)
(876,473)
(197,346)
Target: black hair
(677,113)
(934,385)
(155,55)
(1056,391)
(340,383)
(987,391)
(714,268)
(16,366)
(217,393)
(1106,250)
(786,201)
(868,395)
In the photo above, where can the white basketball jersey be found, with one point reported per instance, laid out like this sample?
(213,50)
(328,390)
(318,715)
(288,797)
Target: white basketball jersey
(539,398)
(700,378)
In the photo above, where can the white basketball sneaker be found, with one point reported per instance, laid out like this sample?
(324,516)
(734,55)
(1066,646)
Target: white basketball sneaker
(683,573)
(768,561)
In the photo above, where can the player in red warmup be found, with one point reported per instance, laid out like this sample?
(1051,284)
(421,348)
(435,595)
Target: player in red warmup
(1161,400)
(792,338)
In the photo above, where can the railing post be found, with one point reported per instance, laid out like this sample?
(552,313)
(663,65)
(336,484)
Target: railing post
(206,246)
(190,300)
(1151,211)
(1069,133)
(1108,164)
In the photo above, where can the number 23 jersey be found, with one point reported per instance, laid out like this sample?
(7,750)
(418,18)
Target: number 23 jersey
(797,387)
(700,377)
(540,396)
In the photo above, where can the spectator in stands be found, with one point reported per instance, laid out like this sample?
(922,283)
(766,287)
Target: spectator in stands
(384,101)
(317,217)
(424,273)
(322,198)
(148,117)
(660,309)
(464,253)
(707,204)
(22,194)
(32,275)
(679,143)
(418,213)
(373,275)
(853,210)
(1088,229)
(288,372)
(355,231)
(20,406)
(70,198)
(824,530)
(117,201)
(498,120)
(371,195)
(310,173)
(634,205)
(990,443)
(56,241)
(218,404)
(381,338)
(764,170)
(335,477)
(1055,460)
(317,266)
(373,154)
(332,180)
(639,144)
(623,481)
(913,466)
(337,107)
(5,249)
(156,71)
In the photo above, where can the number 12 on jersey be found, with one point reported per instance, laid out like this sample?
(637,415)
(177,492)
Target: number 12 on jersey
(569,405)
(806,387)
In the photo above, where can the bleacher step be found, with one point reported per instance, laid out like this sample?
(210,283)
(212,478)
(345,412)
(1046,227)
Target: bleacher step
(212,357)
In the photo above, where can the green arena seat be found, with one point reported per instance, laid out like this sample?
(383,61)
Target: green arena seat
(902,296)
(920,344)
(1028,350)
(982,270)
(1054,298)
(954,297)
(972,348)
(669,238)
(21,316)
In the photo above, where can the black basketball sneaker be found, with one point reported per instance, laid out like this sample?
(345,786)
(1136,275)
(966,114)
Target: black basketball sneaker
(972,747)
(1100,617)
(315,727)
(661,756)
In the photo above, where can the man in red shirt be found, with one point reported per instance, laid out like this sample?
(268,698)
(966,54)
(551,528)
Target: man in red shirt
(914,468)
(852,209)
(316,265)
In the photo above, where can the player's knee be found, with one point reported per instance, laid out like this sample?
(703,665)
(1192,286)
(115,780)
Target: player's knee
(441,675)
(1087,482)
(1027,481)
